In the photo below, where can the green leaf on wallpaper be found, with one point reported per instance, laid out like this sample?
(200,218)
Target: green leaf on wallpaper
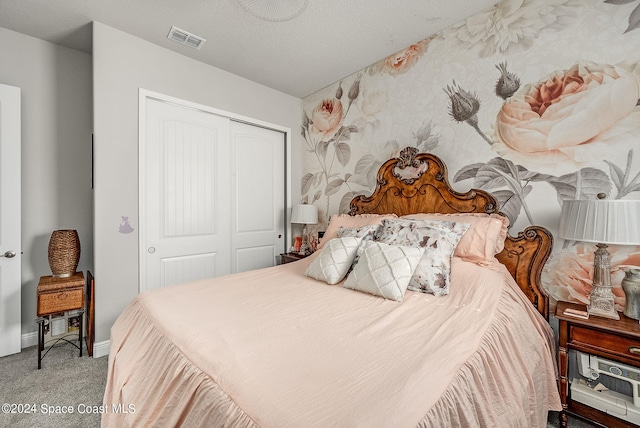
(364,164)
(466,172)
(344,133)
(333,186)
(496,173)
(622,180)
(321,149)
(305,182)
(343,153)
(317,196)
(619,2)
(345,202)
(616,175)
(509,204)
(362,180)
(634,19)
(583,184)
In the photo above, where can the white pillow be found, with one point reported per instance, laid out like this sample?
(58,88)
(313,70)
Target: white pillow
(384,270)
(334,260)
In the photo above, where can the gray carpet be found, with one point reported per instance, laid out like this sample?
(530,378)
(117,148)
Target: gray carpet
(65,380)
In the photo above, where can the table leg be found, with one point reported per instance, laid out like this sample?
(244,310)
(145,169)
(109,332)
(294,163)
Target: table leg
(40,342)
(80,333)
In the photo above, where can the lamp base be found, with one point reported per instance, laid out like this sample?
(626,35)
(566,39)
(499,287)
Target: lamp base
(601,303)
(601,299)
(599,312)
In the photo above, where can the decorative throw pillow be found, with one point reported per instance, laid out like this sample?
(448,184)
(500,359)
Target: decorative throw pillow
(367,233)
(484,239)
(346,220)
(433,274)
(334,260)
(384,270)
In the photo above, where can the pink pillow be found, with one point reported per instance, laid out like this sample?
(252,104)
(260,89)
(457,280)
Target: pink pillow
(346,220)
(484,239)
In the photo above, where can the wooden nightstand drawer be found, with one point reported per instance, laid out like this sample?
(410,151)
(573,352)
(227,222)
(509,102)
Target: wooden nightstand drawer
(612,344)
(60,301)
(60,294)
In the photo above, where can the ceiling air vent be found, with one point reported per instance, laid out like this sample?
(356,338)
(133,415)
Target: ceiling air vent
(186,38)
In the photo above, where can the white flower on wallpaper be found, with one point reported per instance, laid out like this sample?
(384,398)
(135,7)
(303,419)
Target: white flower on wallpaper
(571,115)
(511,26)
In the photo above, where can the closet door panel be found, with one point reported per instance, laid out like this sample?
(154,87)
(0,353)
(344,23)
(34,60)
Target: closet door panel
(257,196)
(185,195)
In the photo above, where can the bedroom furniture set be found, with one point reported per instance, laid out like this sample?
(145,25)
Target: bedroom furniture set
(467,344)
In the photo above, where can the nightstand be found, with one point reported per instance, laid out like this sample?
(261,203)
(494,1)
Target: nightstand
(291,257)
(617,340)
(59,296)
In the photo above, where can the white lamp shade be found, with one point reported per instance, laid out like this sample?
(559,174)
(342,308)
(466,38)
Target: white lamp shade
(604,221)
(304,214)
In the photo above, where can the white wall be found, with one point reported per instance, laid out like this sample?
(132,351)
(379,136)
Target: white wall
(56,151)
(121,65)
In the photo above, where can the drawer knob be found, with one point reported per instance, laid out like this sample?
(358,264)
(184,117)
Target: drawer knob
(634,350)
(63,296)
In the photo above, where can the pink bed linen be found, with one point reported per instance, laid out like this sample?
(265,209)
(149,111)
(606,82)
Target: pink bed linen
(274,348)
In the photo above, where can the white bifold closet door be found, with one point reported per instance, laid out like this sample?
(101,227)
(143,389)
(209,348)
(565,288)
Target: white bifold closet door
(212,195)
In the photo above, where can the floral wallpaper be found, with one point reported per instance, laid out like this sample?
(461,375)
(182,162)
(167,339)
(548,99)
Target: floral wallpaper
(535,101)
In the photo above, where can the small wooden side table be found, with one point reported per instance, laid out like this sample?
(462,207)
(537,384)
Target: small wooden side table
(291,257)
(617,340)
(56,295)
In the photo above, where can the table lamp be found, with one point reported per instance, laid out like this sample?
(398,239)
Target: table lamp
(602,221)
(304,214)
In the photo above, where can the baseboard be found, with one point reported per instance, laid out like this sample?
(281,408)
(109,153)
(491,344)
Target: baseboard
(100,349)
(29,339)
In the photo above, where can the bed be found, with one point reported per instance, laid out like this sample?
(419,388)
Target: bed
(277,348)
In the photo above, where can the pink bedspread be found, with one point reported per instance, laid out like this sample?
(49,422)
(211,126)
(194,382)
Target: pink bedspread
(273,348)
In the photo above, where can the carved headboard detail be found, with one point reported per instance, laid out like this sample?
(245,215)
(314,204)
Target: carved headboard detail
(417,183)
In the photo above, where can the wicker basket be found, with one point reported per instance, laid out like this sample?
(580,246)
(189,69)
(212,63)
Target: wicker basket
(60,294)
(64,253)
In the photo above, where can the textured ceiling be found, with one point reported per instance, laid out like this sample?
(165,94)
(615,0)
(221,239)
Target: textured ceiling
(331,39)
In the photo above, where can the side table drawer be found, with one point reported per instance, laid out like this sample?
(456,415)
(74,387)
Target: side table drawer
(610,343)
(60,301)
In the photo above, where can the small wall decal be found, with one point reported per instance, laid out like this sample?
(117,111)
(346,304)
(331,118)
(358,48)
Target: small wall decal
(125,227)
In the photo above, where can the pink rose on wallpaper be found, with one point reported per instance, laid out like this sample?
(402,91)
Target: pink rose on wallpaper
(568,275)
(326,118)
(569,111)
(402,61)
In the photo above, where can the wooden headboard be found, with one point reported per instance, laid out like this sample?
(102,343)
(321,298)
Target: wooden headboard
(417,183)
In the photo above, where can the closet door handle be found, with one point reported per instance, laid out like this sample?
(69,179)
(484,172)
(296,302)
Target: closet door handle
(9,254)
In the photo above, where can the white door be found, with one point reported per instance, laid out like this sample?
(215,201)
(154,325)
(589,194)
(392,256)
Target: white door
(257,196)
(184,188)
(10,251)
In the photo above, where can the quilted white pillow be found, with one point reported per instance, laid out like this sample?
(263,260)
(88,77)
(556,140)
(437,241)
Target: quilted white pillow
(334,260)
(384,270)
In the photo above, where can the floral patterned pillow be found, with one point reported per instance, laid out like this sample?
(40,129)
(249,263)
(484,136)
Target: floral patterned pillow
(433,274)
(365,233)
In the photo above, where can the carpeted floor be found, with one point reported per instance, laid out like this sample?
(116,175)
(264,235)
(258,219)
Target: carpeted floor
(69,382)
(65,382)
